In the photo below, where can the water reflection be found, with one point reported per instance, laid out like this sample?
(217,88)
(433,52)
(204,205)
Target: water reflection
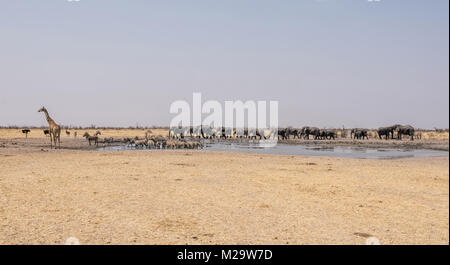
(337,151)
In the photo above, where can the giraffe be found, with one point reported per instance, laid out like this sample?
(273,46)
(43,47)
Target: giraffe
(54,129)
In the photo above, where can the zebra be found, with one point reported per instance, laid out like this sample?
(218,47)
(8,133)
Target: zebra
(91,138)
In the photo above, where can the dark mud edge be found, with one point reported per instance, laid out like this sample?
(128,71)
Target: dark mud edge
(20,143)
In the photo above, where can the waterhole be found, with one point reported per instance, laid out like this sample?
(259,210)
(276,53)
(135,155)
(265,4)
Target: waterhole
(308,150)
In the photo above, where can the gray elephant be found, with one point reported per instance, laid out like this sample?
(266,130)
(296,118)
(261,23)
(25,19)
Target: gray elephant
(283,134)
(314,131)
(303,132)
(405,129)
(386,131)
(330,133)
(292,131)
(360,134)
(321,135)
(353,131)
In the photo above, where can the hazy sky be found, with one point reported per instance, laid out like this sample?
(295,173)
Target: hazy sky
(328,62)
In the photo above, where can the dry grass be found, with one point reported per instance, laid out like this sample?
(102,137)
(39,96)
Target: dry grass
(119,133)
(38,133)
(439,136)
(426,135)
(199,197)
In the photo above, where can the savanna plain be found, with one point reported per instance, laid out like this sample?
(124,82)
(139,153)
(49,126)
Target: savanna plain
(207,197)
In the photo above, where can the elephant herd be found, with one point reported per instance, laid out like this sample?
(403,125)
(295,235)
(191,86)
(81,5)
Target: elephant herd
(388,132)
(356,133)
(281,133)
(305,133)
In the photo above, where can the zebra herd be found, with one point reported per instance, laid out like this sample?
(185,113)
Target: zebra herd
(148,142)
(160,142)
(163,143)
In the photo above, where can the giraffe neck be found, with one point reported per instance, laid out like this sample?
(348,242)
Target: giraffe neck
(49,120)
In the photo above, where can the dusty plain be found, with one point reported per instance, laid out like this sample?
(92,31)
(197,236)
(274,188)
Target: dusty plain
(206,197)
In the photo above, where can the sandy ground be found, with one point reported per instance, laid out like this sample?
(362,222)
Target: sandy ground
(203,197)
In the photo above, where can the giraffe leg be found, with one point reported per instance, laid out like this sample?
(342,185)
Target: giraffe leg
(55,138)
(51,139)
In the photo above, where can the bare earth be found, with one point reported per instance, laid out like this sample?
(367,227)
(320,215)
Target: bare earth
(205,197)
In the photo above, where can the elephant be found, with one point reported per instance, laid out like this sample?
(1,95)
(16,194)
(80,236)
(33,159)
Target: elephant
(291,131)
(322,134)
(287,132)
(307,131)
(330,134)
(386,131)
(404,129)
(302,132)
(353,131)
(383,131)
(283,134)
(360,133)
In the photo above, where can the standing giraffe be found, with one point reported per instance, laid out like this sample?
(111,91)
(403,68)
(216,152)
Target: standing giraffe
(54,129)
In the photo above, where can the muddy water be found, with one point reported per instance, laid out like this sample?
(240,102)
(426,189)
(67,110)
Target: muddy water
(336,151)
(304,150)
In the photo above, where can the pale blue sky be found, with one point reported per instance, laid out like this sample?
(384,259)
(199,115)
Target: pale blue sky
(329,63)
